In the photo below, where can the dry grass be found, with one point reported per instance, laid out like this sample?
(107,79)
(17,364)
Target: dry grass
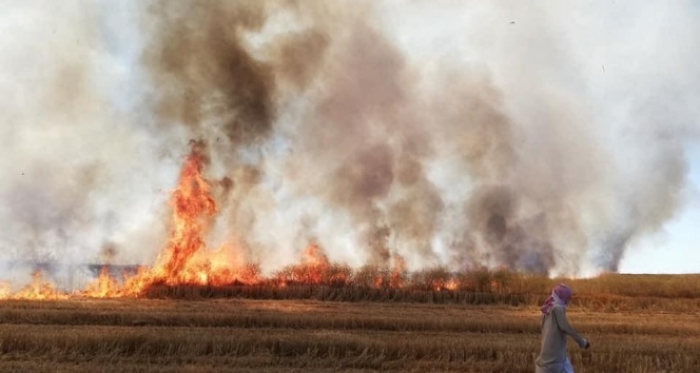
(225,335)
(609,293)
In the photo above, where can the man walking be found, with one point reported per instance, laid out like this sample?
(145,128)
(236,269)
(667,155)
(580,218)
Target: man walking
(555,328)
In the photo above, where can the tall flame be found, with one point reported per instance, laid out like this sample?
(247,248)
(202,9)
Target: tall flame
(187,261)
(192,202)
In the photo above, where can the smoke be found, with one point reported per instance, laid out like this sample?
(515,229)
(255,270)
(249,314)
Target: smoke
(458,134)
(205,76)
(77,172)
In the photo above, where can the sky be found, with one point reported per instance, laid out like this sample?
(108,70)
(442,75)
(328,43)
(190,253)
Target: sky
(604,93)
(675,249)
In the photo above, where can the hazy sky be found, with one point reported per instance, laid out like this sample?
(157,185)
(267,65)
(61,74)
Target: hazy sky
(677,248)
(608,47)
(76,116)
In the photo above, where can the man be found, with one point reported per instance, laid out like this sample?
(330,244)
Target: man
(555,328)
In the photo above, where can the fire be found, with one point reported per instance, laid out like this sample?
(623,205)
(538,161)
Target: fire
(5,290)
(452,284)
(105,286)
(315,268)
(192,203)
(186,260)
(395,278)
(39,289)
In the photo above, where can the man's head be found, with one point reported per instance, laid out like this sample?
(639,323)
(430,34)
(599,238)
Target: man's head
(563,292)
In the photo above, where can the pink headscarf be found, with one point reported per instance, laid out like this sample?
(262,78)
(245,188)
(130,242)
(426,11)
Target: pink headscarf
(560,295)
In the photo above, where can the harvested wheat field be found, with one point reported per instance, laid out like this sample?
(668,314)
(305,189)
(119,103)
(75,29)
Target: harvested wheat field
(248,335)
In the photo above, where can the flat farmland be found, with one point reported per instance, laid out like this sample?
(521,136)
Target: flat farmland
(243,335)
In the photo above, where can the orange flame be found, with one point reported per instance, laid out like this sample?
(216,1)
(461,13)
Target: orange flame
(39,289)
(396,278)
(104,286)
(452,284)
(397,274)
(187,261)
(191,202)
(314,266)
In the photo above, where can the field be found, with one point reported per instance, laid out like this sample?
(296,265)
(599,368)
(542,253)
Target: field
(651,327)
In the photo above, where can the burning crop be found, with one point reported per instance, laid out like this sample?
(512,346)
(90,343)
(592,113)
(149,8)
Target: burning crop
(187,261)
(334,146)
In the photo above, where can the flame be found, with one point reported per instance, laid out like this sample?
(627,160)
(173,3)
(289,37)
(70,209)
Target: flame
(39,289)
(395,278)
(314,266)
(397,274)
(186,260)
(5,290)
(452,284)
(192,203)
(104,286)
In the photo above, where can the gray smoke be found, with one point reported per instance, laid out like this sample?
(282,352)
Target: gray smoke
(458,134)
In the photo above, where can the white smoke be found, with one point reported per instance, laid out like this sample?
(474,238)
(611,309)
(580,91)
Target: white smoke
(577,115)
(80,171)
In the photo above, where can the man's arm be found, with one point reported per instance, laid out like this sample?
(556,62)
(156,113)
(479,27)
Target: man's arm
(563,324)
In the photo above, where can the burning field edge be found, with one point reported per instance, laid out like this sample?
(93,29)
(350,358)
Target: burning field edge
(187,268)
(606,293)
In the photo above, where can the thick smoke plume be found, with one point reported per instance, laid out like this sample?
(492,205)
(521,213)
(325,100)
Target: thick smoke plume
(499,141)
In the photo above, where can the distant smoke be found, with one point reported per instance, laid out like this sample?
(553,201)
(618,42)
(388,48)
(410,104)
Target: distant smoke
(478,142)
(203,71)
